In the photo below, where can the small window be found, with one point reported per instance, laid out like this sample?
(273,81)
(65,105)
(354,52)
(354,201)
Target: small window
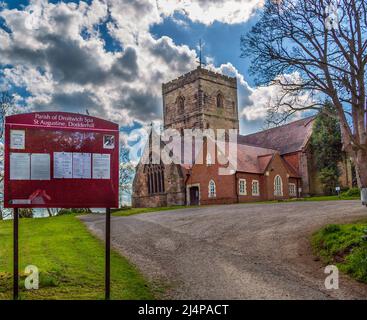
(242,186)
(219,100)
(292,189)
(212,189)
(255,188)
(278,186)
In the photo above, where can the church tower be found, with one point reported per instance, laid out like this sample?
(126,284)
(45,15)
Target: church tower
(200,99)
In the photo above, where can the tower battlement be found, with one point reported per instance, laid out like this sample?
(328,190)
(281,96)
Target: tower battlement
(195,75)
(202,99)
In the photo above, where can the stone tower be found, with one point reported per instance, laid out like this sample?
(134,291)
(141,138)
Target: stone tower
(200,99)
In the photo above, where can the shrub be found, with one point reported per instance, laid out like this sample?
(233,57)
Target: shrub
(73,210)
(331,228)
(352,192)
(63,212)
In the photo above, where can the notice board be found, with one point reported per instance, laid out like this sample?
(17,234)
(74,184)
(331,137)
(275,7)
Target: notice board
(60,160)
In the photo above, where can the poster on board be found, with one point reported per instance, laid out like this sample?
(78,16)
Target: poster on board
(40,166)
(20,166)
(17,139)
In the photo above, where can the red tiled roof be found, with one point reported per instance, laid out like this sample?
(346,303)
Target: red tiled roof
(264,161)
(288,138)
(292,171)
(253,159)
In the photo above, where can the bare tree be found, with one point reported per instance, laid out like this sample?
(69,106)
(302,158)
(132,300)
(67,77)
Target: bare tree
(126,173)
(6,105)
(316,48)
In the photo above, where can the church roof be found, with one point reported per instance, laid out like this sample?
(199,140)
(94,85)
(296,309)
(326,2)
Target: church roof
(288,138)
(253,159)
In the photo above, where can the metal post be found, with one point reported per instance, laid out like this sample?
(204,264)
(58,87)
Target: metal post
(108,258)
(15,255)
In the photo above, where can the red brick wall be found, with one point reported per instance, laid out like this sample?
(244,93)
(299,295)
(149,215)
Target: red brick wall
(227,187)
(249,178)
(275,168)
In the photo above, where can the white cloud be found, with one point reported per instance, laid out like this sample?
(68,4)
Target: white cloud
(265,97)
(58,53)
(209,11)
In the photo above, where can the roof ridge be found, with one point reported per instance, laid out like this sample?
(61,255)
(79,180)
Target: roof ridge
(266,155)
(309,119)
(255,146)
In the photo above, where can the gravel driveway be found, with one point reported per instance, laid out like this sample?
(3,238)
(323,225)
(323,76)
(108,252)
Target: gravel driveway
(241,251)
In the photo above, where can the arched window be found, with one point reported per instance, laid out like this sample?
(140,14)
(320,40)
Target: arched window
(181,104)
(155,179)
(278,186)
(212,189)
(219,100)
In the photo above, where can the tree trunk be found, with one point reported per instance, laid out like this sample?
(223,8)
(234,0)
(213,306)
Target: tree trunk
(361,165)
(361,170)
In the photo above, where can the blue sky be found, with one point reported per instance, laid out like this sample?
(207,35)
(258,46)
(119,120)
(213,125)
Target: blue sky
(111,56)
(221,40)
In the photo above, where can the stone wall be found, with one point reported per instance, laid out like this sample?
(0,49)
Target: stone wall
(199,89)
(174,188)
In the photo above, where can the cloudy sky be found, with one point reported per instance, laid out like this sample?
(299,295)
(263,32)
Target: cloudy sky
(110,56)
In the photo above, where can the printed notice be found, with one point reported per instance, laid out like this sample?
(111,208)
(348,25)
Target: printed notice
(17,139)
(63,165)
(82,165)
(40,166)
(101,166)
(20,166)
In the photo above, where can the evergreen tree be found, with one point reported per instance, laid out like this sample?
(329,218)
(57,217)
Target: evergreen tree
(327,147)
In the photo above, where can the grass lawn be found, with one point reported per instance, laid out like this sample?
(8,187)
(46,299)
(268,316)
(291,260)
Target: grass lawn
(342,245)
(327,198)
(70,261)
(131,211)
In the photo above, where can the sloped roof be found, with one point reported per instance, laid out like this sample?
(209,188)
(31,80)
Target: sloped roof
(292,171)
(288,138)
(264,161)
(253,159)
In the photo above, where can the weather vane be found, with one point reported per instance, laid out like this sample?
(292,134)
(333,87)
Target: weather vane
(200,47)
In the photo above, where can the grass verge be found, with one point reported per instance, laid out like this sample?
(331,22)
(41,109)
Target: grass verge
(343,246)
(70,262)
(131,211)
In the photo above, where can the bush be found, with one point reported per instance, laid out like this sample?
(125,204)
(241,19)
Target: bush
(331,228)
(63,212)
(352,192)
(26,213)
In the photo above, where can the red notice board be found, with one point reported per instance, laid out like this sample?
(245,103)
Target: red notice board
(60,160)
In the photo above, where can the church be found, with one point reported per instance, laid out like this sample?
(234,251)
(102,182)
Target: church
(273,164)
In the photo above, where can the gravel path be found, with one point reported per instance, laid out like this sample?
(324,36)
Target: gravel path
(242,251)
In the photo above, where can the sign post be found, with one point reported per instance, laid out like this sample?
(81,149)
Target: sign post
(108,255)
(15,254)
(60,160)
